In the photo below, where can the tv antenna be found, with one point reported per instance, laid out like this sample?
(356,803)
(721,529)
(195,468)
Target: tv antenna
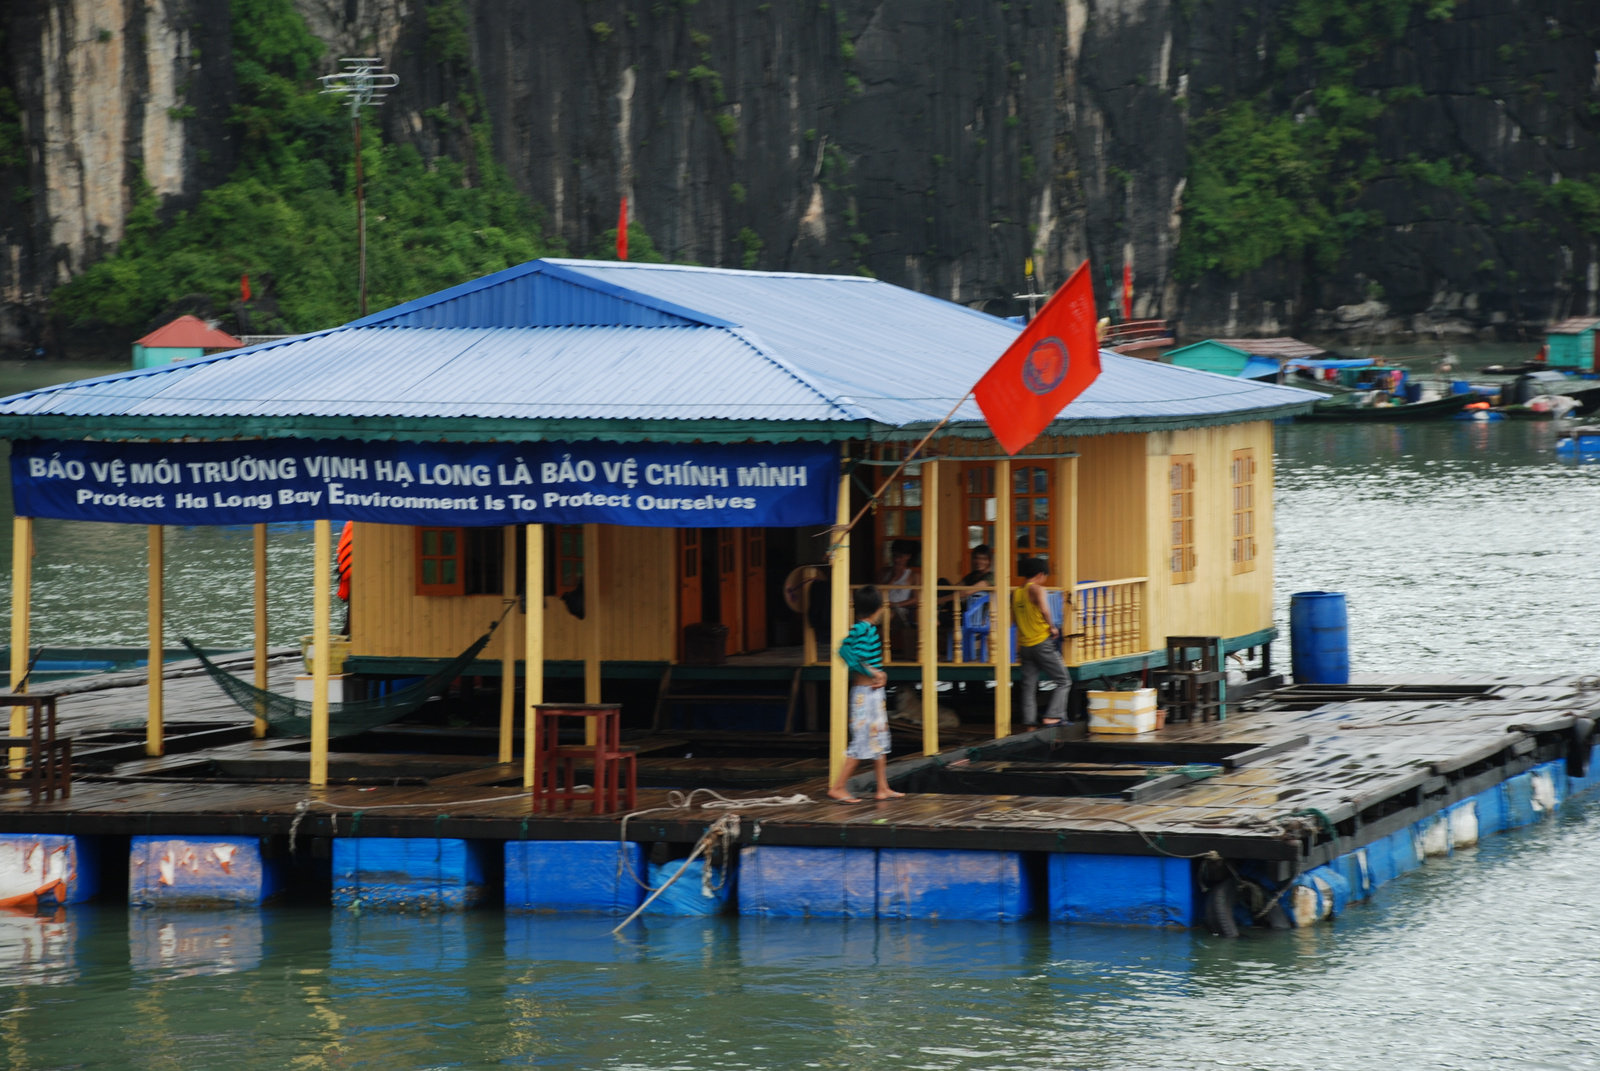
(362,82)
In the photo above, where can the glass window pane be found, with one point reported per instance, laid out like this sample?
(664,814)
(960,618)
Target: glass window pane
(430,570)
(1020,509)
(447,570)
(1041,509)
(1019,480)
(991,510)
(974,509)
(974,535)
(891,496)
(430,542)
(1041,481)
(1041,536)
(447,543)
(1022,538)
(913,523)
(913,493)
(891,522)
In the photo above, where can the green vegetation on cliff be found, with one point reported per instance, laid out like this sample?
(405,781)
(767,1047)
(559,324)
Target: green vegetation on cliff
(1280,174)
(287,214)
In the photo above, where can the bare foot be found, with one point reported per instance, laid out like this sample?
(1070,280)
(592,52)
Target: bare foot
(891,794)
(839,795)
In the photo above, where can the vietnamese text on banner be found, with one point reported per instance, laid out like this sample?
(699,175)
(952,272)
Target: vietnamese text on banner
(442,484)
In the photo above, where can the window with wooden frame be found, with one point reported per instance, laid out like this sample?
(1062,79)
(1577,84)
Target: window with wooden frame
(1180,514)
(1030,510)
(979,511)
(464,561)
(900,506)
(567,559)
(1243,477)
(440,568)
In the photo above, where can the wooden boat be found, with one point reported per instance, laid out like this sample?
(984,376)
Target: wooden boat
(1338,409)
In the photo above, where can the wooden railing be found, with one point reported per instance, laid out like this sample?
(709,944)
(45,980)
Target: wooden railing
(1103,619)
(1109,618)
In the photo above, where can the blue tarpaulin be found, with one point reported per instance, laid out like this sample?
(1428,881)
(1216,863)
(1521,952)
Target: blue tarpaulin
(654,485)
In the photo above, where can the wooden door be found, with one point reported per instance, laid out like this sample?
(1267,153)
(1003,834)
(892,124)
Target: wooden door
(689,590)
(755,589)
(729,603)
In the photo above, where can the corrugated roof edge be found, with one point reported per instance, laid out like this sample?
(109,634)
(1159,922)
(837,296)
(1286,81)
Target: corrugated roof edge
(167,369)
(556,270)
(809,276)
(846,405)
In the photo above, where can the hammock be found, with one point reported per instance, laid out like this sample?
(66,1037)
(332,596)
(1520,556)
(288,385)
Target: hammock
(292,717)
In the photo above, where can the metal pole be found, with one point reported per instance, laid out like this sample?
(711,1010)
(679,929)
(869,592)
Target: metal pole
(155,728)
(321,578)
(838,675)
(361,216)
(930,608)
(592,610)
(533,652)
(21,625)
(260,540)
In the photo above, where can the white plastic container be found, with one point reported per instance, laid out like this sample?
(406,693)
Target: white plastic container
(1123,712)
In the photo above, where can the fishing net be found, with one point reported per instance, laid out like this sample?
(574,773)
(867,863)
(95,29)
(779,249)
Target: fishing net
(287,716)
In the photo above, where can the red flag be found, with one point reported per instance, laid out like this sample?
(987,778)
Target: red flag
(244,287)
(1127,291)
(622,231)
(1053,361)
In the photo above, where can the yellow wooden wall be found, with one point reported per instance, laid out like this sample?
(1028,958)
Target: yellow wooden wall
(1218,601)
(637,583)
(1111,506)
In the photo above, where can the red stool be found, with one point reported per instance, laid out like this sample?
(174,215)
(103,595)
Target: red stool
(555,767)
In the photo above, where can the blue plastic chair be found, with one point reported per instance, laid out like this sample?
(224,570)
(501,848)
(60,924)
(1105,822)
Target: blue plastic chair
(975,629)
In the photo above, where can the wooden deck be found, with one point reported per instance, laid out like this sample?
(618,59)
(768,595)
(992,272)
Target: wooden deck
(1369,758)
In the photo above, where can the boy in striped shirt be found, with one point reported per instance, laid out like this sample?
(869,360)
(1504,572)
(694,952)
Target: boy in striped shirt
(862,651)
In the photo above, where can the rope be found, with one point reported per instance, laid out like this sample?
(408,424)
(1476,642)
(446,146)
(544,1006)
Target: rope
(724,828)
(1037,817)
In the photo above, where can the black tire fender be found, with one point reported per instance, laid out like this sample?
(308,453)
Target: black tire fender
(1580,736)
(1219,902)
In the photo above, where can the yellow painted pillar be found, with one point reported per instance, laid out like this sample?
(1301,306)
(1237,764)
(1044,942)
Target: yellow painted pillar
(1065,541)
(321,581)
(592,609)
(838,675)
(533,650)
(21,625)
(928,625)
(1005,553)
(508,646)
(155,725)
(260,541)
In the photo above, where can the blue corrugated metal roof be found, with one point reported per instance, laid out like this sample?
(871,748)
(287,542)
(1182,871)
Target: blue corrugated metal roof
(585,340)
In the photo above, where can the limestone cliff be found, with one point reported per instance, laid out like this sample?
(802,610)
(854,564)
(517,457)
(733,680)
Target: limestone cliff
(932,143)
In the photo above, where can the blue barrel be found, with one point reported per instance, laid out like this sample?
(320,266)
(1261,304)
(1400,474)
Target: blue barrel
(1319,637)
(1413,391)
(1460,386)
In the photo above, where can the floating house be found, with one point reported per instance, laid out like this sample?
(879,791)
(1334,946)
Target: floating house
(1246,358)
(1574,342)
(185,339)
(613,457)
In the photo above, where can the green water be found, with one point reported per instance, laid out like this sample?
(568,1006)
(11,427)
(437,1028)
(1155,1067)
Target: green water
(1485,960)
(1462,547)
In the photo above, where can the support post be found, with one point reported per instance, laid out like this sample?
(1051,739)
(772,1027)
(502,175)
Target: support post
(929,609)
(321,580)
(533,652)
(260,541)
(508,646)
(839,624)
(592,609)
(155,723)
(1005,552)
(1064,539)
(21,626)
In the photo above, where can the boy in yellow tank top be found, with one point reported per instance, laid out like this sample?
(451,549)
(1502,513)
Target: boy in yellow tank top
(1038,646)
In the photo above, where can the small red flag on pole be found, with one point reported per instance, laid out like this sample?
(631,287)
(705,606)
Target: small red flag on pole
(244,287)
(1053,361)
(1127,291)
(622,230)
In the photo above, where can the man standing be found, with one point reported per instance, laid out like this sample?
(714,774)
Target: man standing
(1038,645)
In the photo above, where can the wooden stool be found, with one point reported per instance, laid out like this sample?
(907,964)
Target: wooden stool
(555,767)
(48,763)
(1193,686)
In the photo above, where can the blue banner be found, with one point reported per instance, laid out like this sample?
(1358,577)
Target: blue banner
(658,485)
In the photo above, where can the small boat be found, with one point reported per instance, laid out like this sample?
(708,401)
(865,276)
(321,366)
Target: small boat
(1337,409)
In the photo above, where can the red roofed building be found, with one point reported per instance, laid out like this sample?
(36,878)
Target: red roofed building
(183,339)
